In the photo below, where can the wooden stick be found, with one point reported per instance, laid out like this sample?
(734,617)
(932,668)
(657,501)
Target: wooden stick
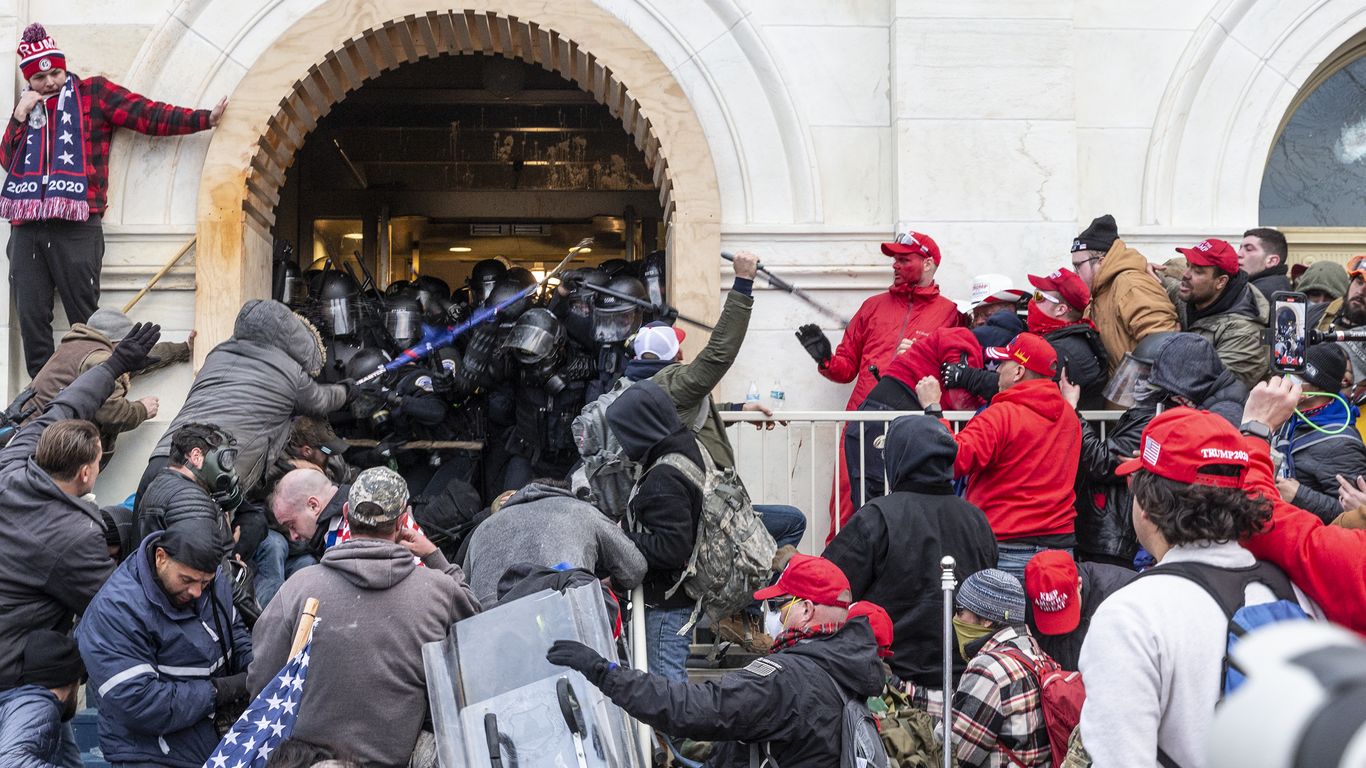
(421,445)
(305,630)
(160,274)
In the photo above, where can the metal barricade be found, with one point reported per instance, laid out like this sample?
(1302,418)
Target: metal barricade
(797,463)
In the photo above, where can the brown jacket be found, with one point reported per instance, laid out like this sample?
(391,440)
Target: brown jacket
(1127,303)
(83,348)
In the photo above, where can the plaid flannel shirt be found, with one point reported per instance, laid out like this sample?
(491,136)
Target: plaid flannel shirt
(106,105)
(997,704)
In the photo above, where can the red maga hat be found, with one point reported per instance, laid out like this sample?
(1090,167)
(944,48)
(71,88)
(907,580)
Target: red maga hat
(1182,441)
(810,578)
(1212,253)
(916,243)
(880,621)
(1030,351)
(1067,285)
(1051,587)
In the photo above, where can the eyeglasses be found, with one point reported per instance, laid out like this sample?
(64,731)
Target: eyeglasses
(1076,265)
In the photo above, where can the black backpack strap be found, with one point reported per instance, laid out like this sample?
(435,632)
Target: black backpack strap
(1165,760)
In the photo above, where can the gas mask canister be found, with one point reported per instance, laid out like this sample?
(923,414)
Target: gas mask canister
(218,473)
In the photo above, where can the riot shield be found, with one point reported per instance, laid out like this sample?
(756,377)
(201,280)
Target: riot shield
(496,701)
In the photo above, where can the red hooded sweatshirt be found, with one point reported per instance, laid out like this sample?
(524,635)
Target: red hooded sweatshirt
(1020,457)
(1326,561)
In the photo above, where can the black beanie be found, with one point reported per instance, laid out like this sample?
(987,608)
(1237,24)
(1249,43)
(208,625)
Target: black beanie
(1324,367)
(196,543)
(1102,234)
(51,660)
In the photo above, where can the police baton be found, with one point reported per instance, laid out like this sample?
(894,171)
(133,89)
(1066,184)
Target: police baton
(948,583)
(663,310)
(783,285)
(480,317)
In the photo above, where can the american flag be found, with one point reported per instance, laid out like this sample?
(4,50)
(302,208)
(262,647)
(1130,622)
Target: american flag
(267,722)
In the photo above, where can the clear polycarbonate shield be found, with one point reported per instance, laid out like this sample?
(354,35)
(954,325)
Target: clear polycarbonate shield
(1129,382)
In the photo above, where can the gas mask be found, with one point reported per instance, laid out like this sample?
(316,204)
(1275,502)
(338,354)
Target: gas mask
(218,473)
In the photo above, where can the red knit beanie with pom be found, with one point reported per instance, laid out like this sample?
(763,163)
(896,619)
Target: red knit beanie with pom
(38,52)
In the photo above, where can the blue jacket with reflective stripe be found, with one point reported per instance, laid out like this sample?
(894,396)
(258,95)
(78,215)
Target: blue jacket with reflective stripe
(151,662)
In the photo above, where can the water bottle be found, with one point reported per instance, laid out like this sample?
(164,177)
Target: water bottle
(777,396)
(752,396)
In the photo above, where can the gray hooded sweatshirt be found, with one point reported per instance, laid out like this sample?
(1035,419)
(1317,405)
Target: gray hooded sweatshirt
(366,689)
(254,383)
(547,526)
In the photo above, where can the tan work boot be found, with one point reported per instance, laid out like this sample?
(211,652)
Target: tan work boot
(781,557)
(745,631)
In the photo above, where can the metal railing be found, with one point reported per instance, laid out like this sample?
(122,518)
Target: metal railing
(797,463)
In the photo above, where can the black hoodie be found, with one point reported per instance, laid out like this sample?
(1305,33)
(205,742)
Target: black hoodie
(786,700)
(665,508)
(890,549)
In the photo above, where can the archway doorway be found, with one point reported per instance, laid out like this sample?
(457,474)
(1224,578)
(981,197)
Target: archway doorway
(247,167)
(443,162)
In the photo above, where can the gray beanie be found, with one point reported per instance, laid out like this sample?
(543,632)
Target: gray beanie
(111,323)
(1327,276)
(994,595)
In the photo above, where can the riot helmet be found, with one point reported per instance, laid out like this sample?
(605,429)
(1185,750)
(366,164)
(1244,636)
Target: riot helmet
(483,277)
(293,288)
(617,267)
(398,287)
(615,318)
(508,287)
(339,352)
(337,295)
(578,310)
(364,362)
(535,337)
(1130,383)
(433,294)
(403,320)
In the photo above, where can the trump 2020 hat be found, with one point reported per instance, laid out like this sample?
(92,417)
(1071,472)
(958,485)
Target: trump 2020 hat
(1212,253)
(1051,586)
(810,578)
(1029,350)
(38,52)
(1180,442)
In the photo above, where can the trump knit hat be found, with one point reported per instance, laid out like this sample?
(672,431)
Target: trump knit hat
(1212,252)
(1029,350)
(38,52)
(1179,442)
(379,495)
(1051,586)
(1066,285)
(810,578)
(994,595)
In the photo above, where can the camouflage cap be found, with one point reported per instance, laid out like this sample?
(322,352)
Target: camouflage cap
(378,496)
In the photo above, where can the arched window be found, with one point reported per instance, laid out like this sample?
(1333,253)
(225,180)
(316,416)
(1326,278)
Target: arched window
(1316,174)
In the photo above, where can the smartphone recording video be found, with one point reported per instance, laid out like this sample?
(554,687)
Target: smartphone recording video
(1288,331)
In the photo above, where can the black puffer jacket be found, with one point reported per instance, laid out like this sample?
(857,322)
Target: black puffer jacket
(890,549)
(666,506)
(1081,352)
(786,700)
(172,498)
(1185,366)
(1271,280)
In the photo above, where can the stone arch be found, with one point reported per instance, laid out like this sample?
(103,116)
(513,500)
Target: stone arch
(1220,115)
(337,45)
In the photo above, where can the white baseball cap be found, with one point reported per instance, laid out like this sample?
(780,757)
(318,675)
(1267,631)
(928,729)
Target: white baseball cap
(658,340)
(994,288)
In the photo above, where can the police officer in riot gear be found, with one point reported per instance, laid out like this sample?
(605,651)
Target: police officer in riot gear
(615,321)
(402,321)
(337,294)
(483,277)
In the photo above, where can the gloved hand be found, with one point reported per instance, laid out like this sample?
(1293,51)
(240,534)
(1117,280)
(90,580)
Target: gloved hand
(351,389)
(230,689)
(576,655)
(817,345)
(131,353)
(954,374)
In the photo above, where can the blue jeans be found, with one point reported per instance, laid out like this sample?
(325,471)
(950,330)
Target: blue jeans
(274,565)
(1012,558)
(785,524)
(665,649)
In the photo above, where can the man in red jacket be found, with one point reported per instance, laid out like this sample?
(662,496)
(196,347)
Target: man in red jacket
(1020,454)
(884,327)
(1325,561)
(56,152)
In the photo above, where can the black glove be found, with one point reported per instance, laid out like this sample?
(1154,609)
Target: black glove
(576,655)
(131,353)
(230,689)
(954,374)
(351,389)
(817,345)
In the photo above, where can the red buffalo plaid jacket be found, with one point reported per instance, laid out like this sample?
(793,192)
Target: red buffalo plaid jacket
(106,105)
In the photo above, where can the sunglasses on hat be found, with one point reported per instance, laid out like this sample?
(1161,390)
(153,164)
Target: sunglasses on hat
(1045,296)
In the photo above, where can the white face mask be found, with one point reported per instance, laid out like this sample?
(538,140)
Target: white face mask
(773,623)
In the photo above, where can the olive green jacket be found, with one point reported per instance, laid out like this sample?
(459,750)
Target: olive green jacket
(690,384)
